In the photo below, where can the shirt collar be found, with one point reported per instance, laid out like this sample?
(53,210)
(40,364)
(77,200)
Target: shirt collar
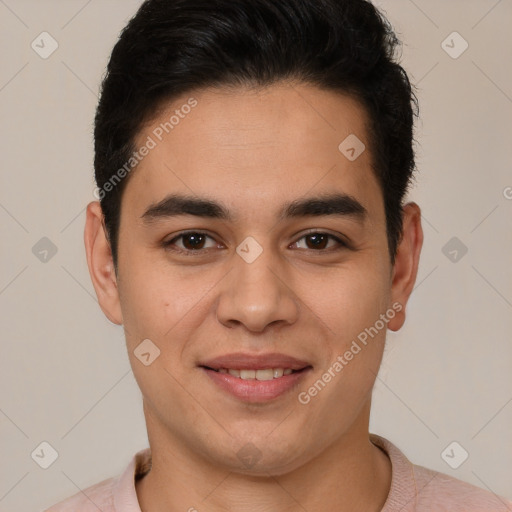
(402,493)
(401,496)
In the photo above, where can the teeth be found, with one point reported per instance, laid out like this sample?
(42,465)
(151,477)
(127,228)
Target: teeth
(266,374)
(247,374)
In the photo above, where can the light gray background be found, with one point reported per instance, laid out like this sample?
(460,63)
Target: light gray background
(65,376)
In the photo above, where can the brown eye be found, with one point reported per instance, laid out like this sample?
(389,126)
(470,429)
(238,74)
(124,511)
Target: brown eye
(319,241)
(193,241)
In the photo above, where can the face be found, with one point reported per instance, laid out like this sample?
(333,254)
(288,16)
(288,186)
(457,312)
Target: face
(277,261)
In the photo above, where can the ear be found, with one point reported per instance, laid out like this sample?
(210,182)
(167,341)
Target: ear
(406,264)
(100,263)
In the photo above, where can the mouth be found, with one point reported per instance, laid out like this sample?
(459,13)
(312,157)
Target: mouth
(253,378)
(261,374)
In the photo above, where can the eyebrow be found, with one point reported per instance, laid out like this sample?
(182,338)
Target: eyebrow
(338,204)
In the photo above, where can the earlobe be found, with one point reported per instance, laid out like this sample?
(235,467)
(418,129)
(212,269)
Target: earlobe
(406,264)
(100,263)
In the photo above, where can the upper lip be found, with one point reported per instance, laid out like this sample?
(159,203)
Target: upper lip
(242,361)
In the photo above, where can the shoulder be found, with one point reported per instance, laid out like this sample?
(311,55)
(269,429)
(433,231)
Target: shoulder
(416,488)
(441,492)
(115,493)
(96,497)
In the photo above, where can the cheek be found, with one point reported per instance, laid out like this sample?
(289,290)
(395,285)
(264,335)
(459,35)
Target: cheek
(349,300)
(351,306)
(344,382)
(163,303)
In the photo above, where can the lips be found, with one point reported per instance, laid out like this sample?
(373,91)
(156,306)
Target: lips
(266,374)
(256,378)
(243,361)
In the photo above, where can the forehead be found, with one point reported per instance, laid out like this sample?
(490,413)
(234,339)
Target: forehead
(254,148)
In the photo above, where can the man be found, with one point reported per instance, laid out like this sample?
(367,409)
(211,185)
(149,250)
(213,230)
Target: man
(252,159)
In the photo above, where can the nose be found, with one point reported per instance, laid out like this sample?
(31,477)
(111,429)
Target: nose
(257,295)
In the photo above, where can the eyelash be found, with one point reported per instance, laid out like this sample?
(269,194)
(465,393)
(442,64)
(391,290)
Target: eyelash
(168,244)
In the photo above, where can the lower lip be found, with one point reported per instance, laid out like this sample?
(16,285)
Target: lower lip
(253,390)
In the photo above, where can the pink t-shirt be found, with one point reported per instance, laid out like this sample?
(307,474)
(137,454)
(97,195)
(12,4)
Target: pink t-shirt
(413,489)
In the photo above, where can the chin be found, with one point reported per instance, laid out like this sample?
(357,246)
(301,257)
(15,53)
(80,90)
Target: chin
(260,457)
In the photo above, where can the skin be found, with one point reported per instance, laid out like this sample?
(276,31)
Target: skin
(253,151)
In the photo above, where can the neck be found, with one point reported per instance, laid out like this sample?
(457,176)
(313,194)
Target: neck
(351,474)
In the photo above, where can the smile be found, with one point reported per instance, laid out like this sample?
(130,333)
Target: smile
(256,386)
(265,374)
